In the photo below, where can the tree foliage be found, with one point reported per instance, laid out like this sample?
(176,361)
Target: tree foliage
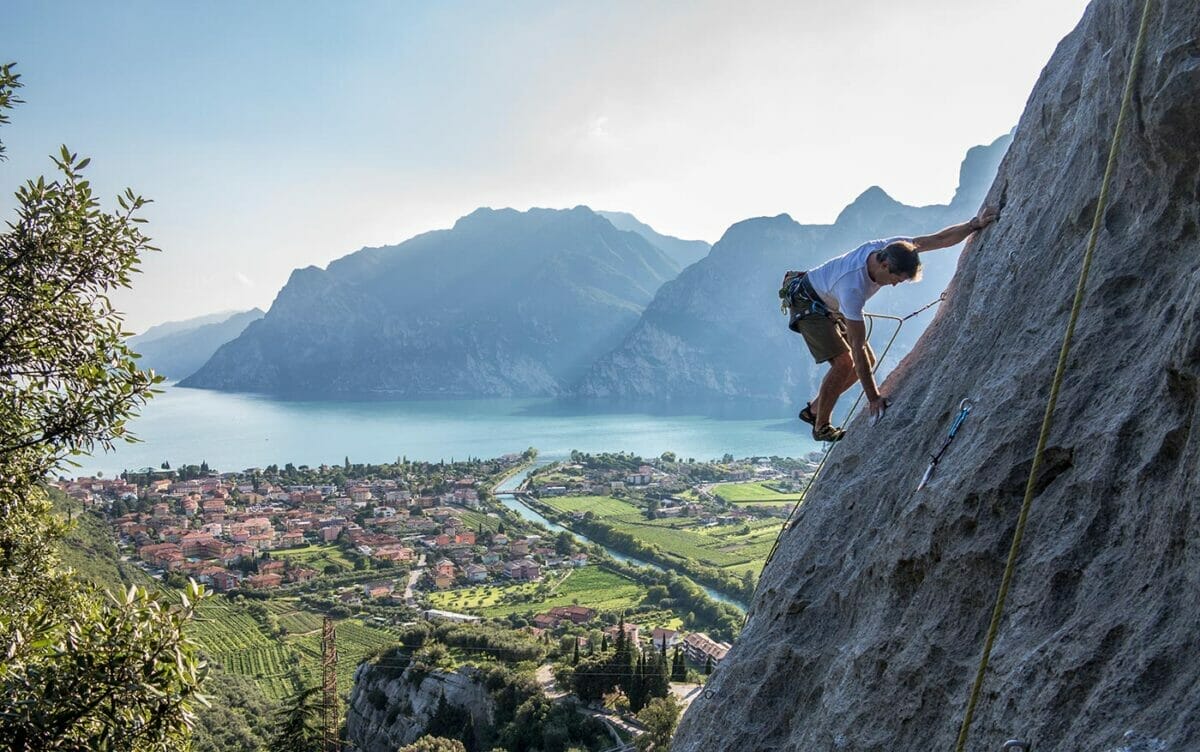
(659,717)
(298,723)
(434,744)
(678,666)
(238,716)
(79,669)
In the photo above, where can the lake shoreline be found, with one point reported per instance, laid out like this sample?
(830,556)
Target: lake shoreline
(239,431)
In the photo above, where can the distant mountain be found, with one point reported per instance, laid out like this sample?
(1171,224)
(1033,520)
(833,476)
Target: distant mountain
(178,348)
(716,331)
(685,252)
(174,327)
(505,303)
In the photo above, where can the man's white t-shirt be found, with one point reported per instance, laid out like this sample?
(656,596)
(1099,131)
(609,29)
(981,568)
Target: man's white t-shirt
(843,283)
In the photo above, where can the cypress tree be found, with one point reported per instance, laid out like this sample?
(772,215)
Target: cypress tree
(635,688)
(678,666)
(575,657)
(621,665)
(621,640)
(708,665)
(659,684)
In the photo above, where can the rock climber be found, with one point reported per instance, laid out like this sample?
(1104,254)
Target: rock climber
(827,309)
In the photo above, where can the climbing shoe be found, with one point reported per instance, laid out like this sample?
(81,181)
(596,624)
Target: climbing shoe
(807,415)
(828,433)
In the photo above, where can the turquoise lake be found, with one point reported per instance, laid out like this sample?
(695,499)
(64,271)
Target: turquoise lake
(237,431)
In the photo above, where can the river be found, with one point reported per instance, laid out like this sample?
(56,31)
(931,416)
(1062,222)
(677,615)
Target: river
(504,493)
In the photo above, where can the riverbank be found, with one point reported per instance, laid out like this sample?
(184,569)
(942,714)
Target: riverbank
(509,493)
(733,589)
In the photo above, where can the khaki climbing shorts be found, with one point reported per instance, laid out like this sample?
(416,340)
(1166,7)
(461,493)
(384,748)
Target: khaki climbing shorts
(825,336)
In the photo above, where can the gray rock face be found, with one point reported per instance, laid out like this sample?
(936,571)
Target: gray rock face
(386,712)
(869,622)
(715,332)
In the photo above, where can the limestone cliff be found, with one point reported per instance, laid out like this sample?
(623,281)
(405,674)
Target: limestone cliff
(868,624)
(388,710)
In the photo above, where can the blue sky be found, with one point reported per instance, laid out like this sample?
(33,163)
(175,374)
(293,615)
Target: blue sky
(274,135)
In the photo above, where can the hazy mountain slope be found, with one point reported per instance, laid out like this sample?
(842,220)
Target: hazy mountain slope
(684,252)
(174,327)
(867,626)
(179,352)
(504,303)
(716,331)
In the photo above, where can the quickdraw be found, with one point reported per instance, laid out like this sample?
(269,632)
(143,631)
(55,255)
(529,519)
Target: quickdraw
(964,409)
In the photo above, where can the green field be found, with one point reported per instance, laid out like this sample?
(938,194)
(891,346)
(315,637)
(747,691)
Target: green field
(753,493)
(354,640)
(723,546)
(293,617)
(555,478)
(474,520)
(601,506)
(589,586)
(236,641)
(316,556)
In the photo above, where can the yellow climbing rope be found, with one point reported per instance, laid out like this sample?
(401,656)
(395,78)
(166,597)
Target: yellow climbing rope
(1047,419)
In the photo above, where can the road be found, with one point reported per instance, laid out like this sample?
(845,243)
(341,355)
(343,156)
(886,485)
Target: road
(613,719)
(413,576)
(545,680)
(685,693)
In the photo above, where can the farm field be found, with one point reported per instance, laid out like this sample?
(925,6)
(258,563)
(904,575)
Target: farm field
(601,506)
(292,615)
(753,493)
(589,586)
(736,548)
(317,556)
(475,520)
(355,640)
(236,641)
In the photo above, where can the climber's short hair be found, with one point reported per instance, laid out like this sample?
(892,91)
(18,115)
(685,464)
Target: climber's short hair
(901,257)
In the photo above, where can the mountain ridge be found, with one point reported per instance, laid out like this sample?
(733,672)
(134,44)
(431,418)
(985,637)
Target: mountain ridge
(529,300)
(684,252)
(184,346)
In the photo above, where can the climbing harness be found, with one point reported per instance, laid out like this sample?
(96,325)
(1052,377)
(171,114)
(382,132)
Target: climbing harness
(799,299)
(899,320)
(964,409)
(1056,384)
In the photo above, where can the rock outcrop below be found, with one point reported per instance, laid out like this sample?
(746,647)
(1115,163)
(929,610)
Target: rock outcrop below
(388,710)
(868,624)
